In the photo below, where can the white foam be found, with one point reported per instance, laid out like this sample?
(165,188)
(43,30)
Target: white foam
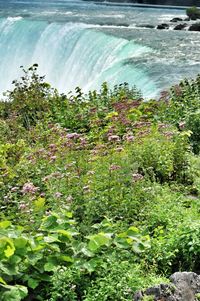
(14,19)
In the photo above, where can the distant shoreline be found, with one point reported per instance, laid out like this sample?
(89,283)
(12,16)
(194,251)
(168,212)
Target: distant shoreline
(131,4)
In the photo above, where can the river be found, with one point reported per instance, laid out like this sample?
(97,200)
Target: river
(78,43)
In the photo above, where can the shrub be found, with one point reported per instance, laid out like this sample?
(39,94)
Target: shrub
(162,157)
(113,280)
(193,13)
(29,99)
(192,123)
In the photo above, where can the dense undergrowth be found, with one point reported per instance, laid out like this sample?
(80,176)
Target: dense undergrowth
(99,193)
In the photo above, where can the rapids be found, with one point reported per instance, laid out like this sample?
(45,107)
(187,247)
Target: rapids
(84,44)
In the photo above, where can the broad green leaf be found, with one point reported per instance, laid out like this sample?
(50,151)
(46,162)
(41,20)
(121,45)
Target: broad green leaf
(132,231)
(15,259)
(5,224)
(87,252)
(35,257)
(98,240)
(65,233)
(33,283)
(49,223)
(9,251)
(49,267)
(14,293)
(20,242)
(51,238)
(9,269)
(66,258)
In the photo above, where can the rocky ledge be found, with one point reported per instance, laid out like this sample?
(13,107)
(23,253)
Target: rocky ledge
(183,286)
(180,26)
(176,24)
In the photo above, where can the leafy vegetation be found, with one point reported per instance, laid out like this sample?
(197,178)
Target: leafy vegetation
(193,13)
(99,193)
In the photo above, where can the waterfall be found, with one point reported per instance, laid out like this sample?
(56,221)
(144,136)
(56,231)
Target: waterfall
(70,55)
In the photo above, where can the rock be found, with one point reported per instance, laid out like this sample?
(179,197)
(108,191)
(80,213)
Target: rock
(146,26)
(163,26)
(187,19)
(183,287)
(176,20)
(194,27)
(180,26)
(187,285)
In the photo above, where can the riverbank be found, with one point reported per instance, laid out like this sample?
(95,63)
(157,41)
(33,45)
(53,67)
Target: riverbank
(172,5)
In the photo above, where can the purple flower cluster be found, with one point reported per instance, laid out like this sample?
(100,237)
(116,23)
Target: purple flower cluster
(114,167)
(29,188)
(137,177)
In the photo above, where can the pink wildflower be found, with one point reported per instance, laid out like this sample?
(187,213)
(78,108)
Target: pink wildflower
(22,206)
(137,177)
(58,195)
(114,167)
(52,146)
(73,136)
(129,137)
(14,189)
(52,158)
(113,138)
(29,188)
(119,149)
(69,198)
(86,189)
(90,172)
(57,175)
(182,125)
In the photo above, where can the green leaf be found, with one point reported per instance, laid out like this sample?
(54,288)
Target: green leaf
(68,214)
(98,240)
(9,251)
(34,257)
(65,233)
(49,223)
(5,224)
(66,258)
(87,252)
(14,293)
(20,242)
(15,259)
(132,231)
(51,238)
(2,281)
(49,267)
(33,283)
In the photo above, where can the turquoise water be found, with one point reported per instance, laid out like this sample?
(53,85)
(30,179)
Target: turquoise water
(80,43)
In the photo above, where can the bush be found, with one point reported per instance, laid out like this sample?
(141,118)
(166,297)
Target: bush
(192,123)
(193,13)
(163,157)
(114,280)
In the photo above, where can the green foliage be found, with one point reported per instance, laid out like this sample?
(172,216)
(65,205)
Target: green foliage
(29,98)
(112,280)
(31,259)
(13,293)
(192,123)
(162,157)
(193,13)
(97,191)
(182,99)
